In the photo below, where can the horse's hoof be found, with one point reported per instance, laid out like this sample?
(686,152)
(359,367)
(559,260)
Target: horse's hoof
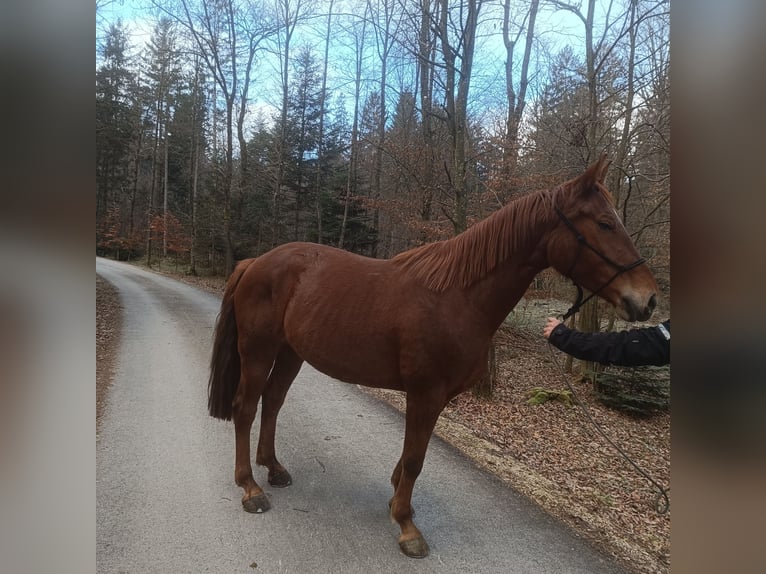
(256,504)
(415,548)
(281,479)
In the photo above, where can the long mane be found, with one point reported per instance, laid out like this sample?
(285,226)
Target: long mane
(471,255)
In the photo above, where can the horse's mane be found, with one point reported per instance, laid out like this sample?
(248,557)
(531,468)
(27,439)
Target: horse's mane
(469,256)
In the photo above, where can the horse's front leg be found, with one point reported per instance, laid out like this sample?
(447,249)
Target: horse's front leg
(421,419)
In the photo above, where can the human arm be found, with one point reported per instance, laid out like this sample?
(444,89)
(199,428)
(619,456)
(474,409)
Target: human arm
(643,346)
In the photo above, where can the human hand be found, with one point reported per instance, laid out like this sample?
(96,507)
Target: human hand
(550,325)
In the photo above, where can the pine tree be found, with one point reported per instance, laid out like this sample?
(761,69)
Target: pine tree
(115,90)
(304,106)
(163,84)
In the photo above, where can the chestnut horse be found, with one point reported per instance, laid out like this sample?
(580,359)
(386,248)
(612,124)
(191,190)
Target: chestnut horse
(421,322)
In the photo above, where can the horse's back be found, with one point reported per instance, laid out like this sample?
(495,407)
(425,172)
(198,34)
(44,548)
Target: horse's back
(296,265)
(300,277)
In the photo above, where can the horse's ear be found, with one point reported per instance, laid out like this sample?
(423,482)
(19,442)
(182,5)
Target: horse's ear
(604,162)
(595,173)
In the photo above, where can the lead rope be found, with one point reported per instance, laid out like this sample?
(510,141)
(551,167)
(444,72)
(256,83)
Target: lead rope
(661,501)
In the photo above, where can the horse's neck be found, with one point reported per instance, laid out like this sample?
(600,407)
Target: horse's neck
(497,293)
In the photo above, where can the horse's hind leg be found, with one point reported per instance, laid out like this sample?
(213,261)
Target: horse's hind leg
(285,369)
(255,369)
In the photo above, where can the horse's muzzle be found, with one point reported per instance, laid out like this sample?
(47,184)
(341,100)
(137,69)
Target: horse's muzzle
(639,311)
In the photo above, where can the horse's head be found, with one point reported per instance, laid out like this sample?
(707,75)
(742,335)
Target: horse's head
(591,246)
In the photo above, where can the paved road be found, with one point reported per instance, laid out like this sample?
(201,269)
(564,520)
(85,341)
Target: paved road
(167,502)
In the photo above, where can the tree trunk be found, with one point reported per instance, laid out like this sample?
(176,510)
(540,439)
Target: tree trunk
(288,21)
(320,145)
(588,315)
(457,84)
(354,159)
(385,41)
(425,61)
(516,101)
(228,186)
(622,151)
(195,168)
(485,387)
(165,198)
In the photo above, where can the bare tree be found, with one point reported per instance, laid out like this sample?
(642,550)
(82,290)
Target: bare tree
(196,153)
(382,17)
(516,100)
(457,33)
(426,47)
(226,35)
(322,111)
(358,30)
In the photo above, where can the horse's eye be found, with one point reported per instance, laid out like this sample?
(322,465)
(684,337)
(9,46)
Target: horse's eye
(606,226)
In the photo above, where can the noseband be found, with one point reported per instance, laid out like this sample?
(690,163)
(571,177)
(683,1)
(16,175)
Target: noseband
(583,242)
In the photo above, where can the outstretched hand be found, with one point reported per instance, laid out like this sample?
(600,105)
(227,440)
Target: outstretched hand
(550,325)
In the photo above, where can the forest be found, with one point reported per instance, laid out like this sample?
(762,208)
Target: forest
(227,127)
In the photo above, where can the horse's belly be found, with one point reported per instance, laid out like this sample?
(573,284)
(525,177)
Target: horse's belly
(370,362)
(347,373)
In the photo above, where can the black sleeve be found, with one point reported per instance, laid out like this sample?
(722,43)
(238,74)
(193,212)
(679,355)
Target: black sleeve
(645,346)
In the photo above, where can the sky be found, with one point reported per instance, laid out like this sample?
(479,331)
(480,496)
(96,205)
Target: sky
(555,28)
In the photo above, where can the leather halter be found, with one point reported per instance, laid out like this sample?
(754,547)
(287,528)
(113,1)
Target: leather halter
(583,242)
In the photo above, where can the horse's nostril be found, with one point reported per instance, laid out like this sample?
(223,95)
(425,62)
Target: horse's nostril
(652,303)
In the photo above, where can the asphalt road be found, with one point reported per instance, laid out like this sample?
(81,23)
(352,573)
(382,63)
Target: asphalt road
(166,499)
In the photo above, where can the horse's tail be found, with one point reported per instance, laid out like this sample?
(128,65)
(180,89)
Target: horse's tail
(224,364)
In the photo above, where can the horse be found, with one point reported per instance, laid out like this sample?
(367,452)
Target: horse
(420,322)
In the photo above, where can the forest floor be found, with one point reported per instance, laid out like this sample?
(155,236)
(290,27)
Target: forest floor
(549,452)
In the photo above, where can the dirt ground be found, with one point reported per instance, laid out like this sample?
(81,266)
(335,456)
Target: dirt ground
(549,451)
